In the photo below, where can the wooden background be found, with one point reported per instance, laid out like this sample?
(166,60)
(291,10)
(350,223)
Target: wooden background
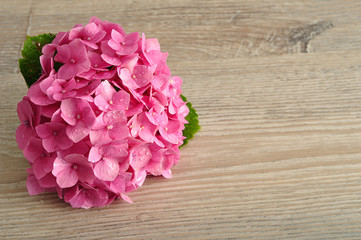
(277,85)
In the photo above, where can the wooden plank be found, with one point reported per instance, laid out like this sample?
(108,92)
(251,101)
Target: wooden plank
(216,29)
(14,24)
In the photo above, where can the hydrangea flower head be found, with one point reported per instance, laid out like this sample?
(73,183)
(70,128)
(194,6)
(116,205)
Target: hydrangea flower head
(104,113)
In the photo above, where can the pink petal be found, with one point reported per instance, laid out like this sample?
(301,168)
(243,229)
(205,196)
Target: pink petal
(38,97)
(69,110)
(127,49)
(119,184)
(116,36)
(106,90)
(59,165)
(99,36)
(47,82)
(152,44)
(67,71)
(94,155)
(75,33)
(106,169)
(25,111)
(79,53)
(147,130)
(113,60)
(127,80)
(42,166)
(143,75)
(33,150)
(77,159)
(126,198)
(91,29)
(101,102)
(48,111)
(114,117)
(67,178)
(48,181)
(63,53)
(81,148)
(33,186)
(23,135)
(113,44)
(53,144)
(77,132)
(86,173)
(139,156)
(119,131)
(132,38)
(167,173)
(99,137)
(114,150)
(121,100)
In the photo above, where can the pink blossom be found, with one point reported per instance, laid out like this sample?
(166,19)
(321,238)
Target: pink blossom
(107,159)
(60,39)
(176,83)
(160,119)
(71,169)
(90,35)
(36,186)
(151,50)
(140,77)
(38,97)
(81,148)
(162,76)
(162,160)
(109,55)
(75,59)
(80,117)
(108,127)
(172,132)
(111,115)
(142,127)
(47,65)
(108,27)
(32,184)
(86,196)
(29,116)
(107,99)
(121,184)
(124,45)
(53,136)
(139,156)
(41,160)
(61,89)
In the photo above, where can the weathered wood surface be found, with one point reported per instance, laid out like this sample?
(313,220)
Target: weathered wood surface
(277,85)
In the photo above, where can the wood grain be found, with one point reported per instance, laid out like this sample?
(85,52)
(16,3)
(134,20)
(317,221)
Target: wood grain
(277,88)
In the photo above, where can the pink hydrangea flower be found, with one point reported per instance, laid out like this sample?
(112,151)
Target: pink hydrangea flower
(29,116)
(107,159)
(80,117)
(53,136)
(75,59)
(123,45)
(71,169)
(95,128)
(90,35)
(107,99)
(108,127)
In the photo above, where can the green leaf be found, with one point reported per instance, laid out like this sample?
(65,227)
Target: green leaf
(29,64)
(193,123)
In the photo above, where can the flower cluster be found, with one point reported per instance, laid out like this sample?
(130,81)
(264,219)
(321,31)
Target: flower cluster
(105,113)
